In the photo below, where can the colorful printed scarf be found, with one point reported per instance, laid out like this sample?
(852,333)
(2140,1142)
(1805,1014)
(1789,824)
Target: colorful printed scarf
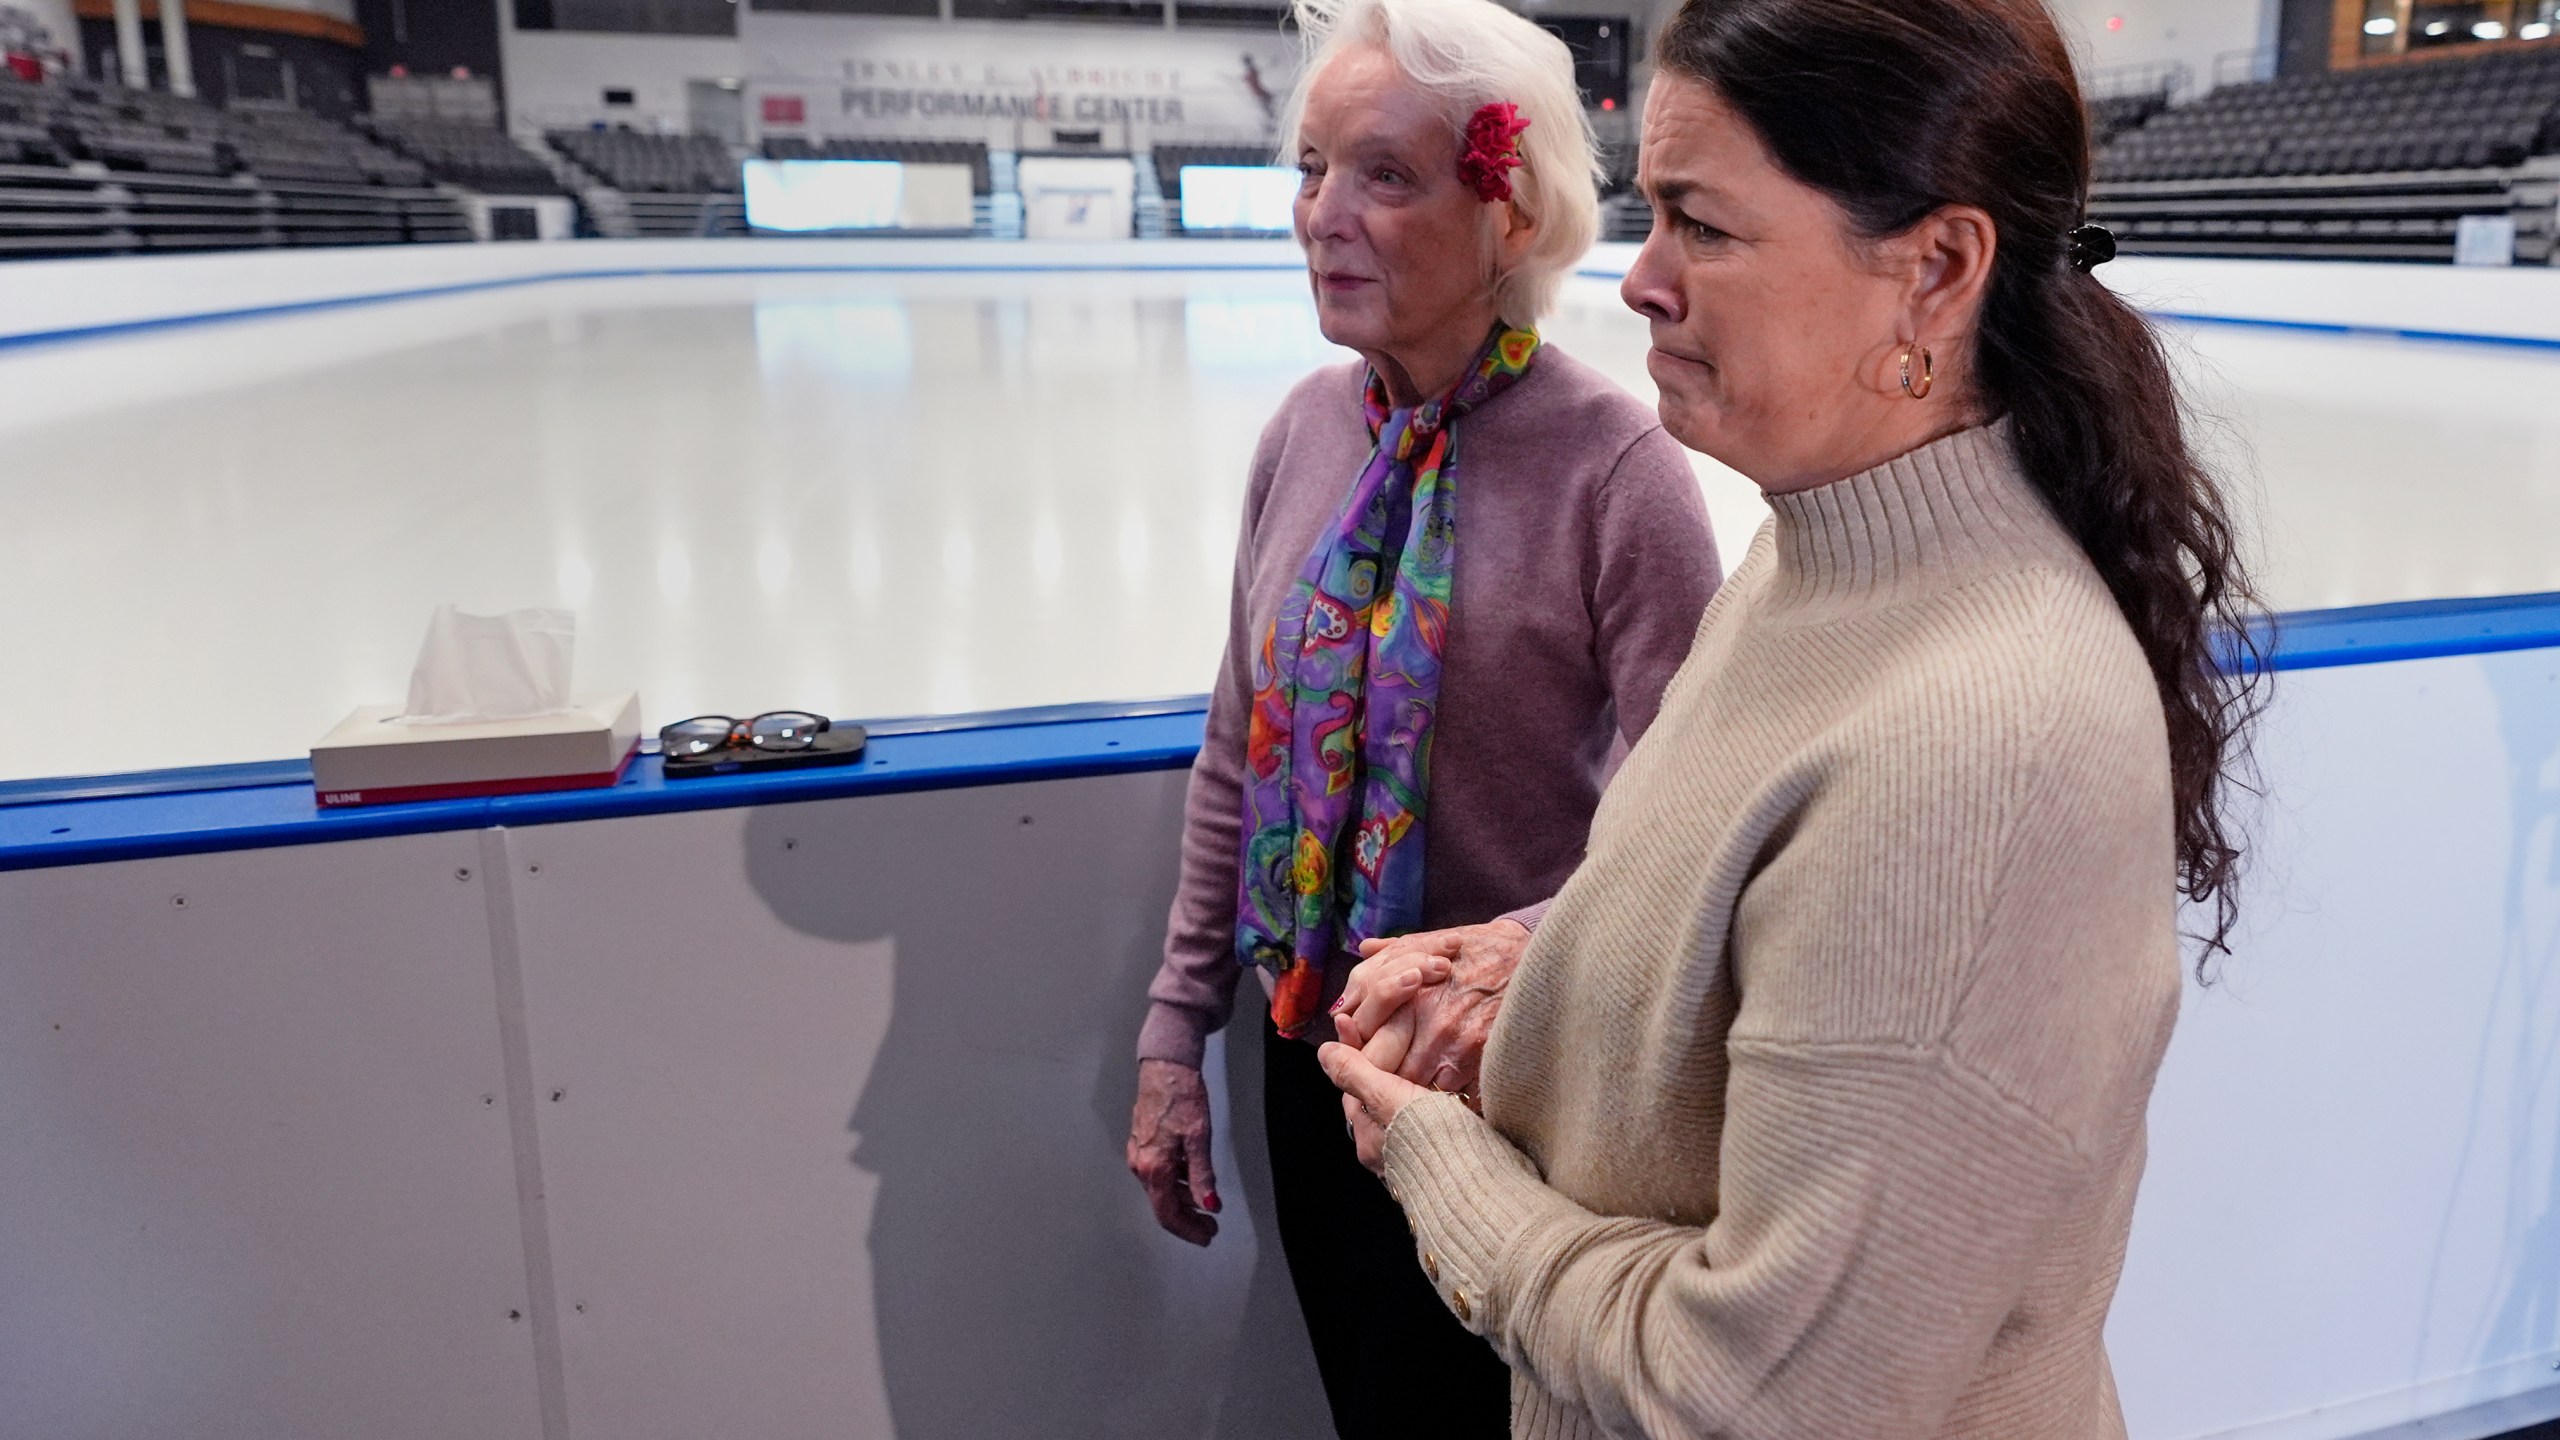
(1344,693)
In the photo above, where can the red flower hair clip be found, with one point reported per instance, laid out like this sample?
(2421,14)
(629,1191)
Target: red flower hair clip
(1493,150)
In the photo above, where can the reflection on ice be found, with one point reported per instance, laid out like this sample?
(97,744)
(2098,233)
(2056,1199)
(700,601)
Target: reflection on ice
(1222,333)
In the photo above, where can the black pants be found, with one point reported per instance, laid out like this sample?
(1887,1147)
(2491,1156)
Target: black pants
(1395,1362)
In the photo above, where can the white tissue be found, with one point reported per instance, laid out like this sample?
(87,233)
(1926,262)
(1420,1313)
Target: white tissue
(492,667)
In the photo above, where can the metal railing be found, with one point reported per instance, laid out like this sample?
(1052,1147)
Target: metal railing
(2244,67)
(2171,78)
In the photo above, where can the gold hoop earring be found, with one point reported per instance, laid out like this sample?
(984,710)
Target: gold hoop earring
(1918,389)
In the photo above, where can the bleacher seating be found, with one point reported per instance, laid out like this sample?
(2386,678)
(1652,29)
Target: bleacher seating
(905,152)
(162,134)
(2380,163)
(292,145)
(2113,115)
(1624,215)
(1169,161)
(1171,158)
(1617,165)
(635,163)
(25,138)
(139,132)
(475,157)
(93,169)
(656,185)
(24,144)
(2469,114)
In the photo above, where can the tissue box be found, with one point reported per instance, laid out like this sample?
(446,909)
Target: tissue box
(367,760)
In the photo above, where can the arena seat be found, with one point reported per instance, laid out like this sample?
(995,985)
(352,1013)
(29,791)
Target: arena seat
(633,162)
(291,145)
(24,144)
(475,157)
(2113,115)
(655,185)
(2379,163)
(1171,158)
(140,132)
(2492,110)
(94,169)
(905,152)
(1624,214)
(164,134)
(1170,161)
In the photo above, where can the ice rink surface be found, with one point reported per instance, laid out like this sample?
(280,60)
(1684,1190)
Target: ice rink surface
(889,494)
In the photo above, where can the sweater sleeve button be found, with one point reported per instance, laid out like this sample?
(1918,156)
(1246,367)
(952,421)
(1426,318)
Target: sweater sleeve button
(1459,1307)
(1431,1266)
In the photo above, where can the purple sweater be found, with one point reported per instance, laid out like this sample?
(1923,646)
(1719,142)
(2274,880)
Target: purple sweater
(1584,561)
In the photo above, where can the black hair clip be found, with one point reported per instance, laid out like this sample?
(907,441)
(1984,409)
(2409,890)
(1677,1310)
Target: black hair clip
(2091,247)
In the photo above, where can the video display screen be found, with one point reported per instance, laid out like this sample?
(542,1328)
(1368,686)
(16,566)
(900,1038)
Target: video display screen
(1238,197)
(824,194)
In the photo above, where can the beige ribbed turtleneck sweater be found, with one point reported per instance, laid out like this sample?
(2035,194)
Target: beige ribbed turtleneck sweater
(1815,1109)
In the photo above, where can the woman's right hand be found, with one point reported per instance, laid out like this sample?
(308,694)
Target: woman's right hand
(1169,1149)
(1390,976)
(1445,987)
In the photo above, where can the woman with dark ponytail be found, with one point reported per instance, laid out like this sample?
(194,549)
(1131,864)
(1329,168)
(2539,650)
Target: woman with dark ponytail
(1815,1107)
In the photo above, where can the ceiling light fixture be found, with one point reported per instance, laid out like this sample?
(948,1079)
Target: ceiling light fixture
(2381,25)
(2488,30)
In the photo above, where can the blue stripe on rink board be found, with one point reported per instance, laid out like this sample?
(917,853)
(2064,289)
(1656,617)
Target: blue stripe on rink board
(2364,332)
(511,282)
(144,325)
(2332,328)
(239,807)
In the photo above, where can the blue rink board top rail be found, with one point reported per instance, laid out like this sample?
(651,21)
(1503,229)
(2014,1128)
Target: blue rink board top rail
(247,807)
(47,823)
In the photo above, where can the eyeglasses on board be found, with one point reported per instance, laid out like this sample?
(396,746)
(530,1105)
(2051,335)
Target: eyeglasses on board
(774,731)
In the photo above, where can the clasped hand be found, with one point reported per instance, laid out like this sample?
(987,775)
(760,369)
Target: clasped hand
(1414,1017)
(1415,1012)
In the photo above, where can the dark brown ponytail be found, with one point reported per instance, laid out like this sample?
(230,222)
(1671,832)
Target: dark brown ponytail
(1896,108)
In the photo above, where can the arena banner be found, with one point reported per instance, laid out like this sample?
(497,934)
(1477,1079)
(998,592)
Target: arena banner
(1011,85)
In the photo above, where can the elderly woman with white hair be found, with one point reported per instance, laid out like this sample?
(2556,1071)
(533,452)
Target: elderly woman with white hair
(1469,567)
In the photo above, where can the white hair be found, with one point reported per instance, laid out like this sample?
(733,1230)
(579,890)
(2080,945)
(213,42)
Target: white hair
(1472,53)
